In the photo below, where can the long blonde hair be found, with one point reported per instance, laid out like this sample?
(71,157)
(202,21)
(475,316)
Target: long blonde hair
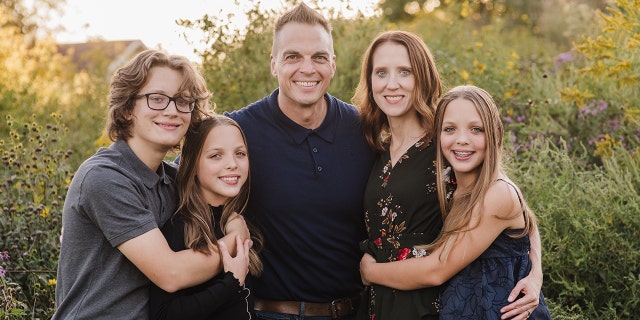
(457,213)
(198,221)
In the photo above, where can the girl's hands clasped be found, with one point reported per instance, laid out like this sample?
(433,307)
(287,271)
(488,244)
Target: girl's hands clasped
(238,265)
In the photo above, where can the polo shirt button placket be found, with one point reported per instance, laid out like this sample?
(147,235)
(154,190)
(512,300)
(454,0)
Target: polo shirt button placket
(314,150)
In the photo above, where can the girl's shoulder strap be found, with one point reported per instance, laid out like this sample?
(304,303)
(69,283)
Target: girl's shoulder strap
(516,190)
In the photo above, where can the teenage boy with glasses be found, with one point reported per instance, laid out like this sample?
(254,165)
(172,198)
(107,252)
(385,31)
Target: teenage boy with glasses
(111,242)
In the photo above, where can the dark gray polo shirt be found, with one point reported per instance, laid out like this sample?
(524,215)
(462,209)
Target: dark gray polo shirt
(113,197)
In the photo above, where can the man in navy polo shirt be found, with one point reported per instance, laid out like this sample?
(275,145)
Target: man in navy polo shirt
(309,167)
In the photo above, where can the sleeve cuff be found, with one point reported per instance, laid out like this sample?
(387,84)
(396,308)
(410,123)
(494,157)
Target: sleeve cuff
(232,282)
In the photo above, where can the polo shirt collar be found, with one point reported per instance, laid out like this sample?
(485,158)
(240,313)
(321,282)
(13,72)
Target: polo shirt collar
(144,173)
(326,130)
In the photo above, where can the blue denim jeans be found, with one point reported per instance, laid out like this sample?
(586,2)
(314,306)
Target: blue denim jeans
(283,316)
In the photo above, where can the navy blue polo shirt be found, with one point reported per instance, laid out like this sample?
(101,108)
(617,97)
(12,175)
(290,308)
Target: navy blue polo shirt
(307,191)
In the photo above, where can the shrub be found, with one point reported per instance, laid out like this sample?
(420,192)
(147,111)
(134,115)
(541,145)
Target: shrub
(11,306)
(33,183)
(589,225)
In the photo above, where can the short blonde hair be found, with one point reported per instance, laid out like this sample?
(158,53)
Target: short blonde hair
(300,14)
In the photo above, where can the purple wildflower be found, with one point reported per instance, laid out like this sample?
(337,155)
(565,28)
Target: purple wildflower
(562,58)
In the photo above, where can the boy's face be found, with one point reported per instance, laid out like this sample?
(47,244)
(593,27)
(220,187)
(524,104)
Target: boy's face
(158,130)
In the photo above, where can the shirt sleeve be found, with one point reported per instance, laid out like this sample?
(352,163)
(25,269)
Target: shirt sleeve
(117,203)
(198,302)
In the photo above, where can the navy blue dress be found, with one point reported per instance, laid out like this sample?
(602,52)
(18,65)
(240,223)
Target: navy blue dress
(481,289)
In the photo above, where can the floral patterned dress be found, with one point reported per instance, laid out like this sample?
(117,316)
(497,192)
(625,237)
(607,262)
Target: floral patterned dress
(401,211)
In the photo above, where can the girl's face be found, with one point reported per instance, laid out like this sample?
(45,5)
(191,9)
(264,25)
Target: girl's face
(462,139)
(223,165)
(392,79)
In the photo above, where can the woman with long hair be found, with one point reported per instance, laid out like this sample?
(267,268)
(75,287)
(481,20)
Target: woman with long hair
(483,250)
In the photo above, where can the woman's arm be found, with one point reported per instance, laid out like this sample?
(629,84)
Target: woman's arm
(529,286)
(429,271)
(498,213)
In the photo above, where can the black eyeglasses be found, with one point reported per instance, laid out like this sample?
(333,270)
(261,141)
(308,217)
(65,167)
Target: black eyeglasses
(159,101)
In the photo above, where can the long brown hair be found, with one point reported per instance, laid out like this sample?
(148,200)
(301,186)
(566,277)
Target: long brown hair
(426,92)
(457,218)
(194,209)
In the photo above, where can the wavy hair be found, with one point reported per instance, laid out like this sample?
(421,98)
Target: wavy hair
(129,79)
(426,92)
(194,209)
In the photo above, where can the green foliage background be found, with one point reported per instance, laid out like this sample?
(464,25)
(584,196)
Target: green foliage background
(565,74)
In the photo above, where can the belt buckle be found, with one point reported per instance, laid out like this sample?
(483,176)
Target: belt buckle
(334,307)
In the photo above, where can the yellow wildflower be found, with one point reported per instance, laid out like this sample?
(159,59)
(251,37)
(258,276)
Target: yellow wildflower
(480,67)
(605,147)
(510,93)
(45,212)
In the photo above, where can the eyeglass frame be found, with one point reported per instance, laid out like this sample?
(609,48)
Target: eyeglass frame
(192,105)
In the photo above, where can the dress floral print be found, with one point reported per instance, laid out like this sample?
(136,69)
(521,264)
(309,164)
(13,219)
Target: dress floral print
(401,211)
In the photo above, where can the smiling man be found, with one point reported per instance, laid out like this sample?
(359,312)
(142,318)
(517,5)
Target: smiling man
(309,166)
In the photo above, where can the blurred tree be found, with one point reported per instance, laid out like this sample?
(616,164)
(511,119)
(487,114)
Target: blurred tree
(480,11)
(236,62)
(36,81)
(544,18)
(28,17)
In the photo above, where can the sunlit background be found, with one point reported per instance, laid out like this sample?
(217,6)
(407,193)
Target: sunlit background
(154,21)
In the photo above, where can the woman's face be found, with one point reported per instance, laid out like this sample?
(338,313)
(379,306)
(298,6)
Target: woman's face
(223,165)
(392,79)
